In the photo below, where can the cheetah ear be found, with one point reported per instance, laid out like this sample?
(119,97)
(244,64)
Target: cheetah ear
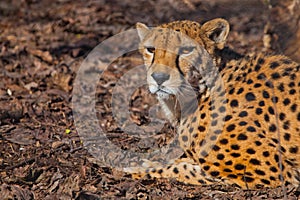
(142,30)
(217,31)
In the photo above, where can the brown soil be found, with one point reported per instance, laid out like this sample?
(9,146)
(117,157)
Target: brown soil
(42,45)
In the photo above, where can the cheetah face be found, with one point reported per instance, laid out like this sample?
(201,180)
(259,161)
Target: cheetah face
(169,57)
(177,60)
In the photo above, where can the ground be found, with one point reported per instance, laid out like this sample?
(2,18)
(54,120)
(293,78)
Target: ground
(42,45)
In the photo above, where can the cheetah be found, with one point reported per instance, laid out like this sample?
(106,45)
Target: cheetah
(244,128)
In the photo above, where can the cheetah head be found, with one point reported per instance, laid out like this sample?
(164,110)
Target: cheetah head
(180,52)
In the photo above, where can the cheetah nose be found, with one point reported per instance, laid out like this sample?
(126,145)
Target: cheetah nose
(160,77)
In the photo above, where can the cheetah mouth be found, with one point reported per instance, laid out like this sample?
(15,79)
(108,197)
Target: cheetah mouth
(161,92)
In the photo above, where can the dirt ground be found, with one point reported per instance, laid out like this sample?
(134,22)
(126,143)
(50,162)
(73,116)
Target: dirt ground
(42,45)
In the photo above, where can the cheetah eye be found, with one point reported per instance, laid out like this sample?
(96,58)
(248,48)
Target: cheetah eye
(186,50)
(150,49)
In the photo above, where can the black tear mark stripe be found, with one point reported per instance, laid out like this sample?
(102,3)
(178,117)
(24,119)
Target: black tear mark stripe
(153,58)
(177,65)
